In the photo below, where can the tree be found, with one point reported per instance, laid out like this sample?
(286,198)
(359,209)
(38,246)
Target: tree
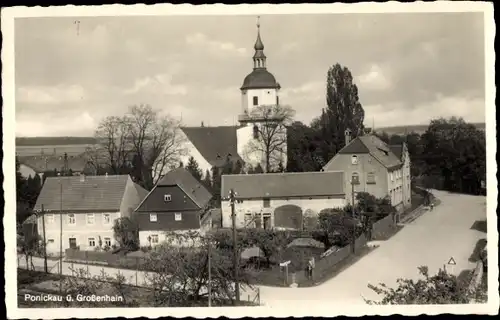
(83,283)
(338,225)
(344,111)
(441,288)
(143,139)
(270,138)
(113,134)
(29,246)
(270,242)
(456,151)
(126,233)
(207,180)
(238,167)
(178,275)
(216,187)
(258,169)
(193,168)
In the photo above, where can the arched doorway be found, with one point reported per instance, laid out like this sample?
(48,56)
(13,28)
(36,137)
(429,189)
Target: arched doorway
(288,216)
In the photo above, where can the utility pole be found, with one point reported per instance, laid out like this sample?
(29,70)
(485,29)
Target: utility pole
(45,268)
(353,219)
(235,248)
(209,273)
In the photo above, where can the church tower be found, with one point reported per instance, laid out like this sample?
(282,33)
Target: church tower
(259,88)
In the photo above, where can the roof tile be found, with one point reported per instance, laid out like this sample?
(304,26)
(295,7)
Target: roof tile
(214,143)
(95,193)
(289,184)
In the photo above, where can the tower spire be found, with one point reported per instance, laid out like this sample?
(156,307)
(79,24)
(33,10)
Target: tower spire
(259,58)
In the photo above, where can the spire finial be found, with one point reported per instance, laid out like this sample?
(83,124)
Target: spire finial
(258,22)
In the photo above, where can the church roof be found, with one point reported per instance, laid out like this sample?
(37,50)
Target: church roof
(260,79)
(214,143)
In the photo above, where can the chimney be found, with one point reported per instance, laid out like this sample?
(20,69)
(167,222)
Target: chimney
(82,177)
(347,134)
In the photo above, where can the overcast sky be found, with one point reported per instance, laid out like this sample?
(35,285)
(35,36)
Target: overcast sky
(409,67)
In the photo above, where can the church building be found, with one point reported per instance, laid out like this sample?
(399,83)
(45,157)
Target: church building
(248,142)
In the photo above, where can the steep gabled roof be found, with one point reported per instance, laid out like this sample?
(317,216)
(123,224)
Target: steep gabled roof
(95,193)
(184,179)
(397,150)
(283,185)
(214,143)
(375,147)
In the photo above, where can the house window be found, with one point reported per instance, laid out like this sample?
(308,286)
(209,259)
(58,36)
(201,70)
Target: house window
(178,216)
(50,241)
(370,178)
(167,198)
(106,218)
(153,217)
(392,176)
(248,219)
(255,101)
(71,218)
(277,100)
(91,242)
(354,159)
(154,238)
(107,242)
(267,202)
(49,218)
(355,178)
(90,218)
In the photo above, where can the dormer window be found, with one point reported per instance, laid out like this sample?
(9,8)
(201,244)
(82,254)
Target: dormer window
(354,159)
(167,198)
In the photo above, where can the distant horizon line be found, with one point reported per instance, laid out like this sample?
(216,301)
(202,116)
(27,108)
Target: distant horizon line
(391,128)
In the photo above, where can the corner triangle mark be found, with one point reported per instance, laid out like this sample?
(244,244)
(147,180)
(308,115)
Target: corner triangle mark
(452,261)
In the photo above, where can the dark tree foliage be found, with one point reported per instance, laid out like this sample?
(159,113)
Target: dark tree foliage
(194,168)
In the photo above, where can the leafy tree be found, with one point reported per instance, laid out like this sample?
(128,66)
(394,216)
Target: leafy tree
(270,137)
(29,246)
(179,274)
(456,151)
(441,288)
(339,225)
(258,169)
(304,148)
(238,167)
(194,168)
(344,110)
(126,233)
(383,136)
(207,180)
(216,186)
(270,242)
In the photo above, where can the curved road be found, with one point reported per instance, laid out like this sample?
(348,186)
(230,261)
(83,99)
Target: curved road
(431,240)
